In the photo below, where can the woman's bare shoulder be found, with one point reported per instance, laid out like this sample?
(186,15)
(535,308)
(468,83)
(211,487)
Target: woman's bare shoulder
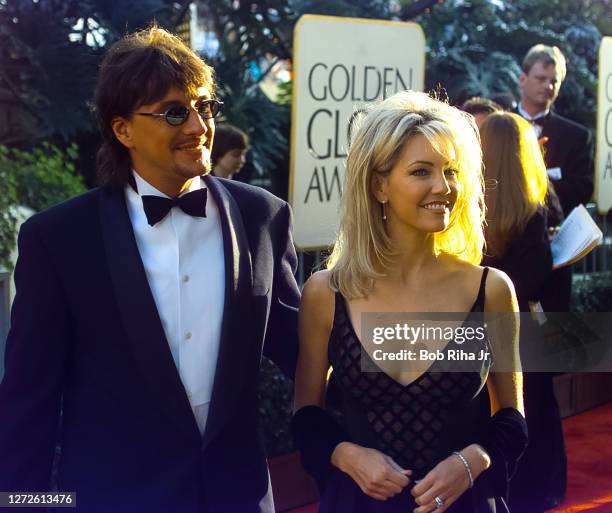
(318,299)
(471,271)
(499,289)
(499,292)
(319,285)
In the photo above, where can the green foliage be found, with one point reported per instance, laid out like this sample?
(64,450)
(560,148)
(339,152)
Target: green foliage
(585,334)
(475,47)
(256,35)
(8,199)
(36,179)
(285,93)
(246,33)
(247,107)
(363,9)
(601,14)
(46,78)
(49,55)
(592,293)
(44,176)
(50,50)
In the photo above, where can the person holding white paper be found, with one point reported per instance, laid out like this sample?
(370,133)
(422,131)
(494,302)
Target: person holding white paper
(517,243)
(568,151)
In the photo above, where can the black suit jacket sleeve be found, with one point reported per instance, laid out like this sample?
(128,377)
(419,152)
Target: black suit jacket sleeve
(281,342)
(30,393)
(575,158)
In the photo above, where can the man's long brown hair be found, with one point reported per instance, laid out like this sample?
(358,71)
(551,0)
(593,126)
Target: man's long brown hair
(138,70)
(515,178)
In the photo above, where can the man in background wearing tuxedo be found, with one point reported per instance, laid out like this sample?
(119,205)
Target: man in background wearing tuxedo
(568,150)
(540,481)
(568,146)
(143,308)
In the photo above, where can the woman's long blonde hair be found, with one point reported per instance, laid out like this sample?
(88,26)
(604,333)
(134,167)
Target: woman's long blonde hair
(363,249)
(516,179)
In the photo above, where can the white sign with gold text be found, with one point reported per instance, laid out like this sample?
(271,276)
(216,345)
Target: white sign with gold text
(340,64)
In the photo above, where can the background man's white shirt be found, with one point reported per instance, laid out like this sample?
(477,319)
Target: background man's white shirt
(531,119)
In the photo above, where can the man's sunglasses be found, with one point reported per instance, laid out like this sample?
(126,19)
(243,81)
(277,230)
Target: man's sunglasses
(178,114)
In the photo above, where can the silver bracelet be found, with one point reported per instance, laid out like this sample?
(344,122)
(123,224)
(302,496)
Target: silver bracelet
(466,465)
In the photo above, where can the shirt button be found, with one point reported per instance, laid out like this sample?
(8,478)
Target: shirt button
(185,278)
(188,335)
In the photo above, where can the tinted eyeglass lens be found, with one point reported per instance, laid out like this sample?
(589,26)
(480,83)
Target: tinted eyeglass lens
(177,115)
(208,109)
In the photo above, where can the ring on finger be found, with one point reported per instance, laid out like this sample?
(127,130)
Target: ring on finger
(439,502)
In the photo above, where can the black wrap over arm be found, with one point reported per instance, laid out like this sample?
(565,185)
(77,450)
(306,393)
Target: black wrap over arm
(316,434)
(504,438)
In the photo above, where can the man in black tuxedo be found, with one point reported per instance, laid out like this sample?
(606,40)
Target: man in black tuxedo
(568,146)
(143,308)
(568,151)
(540,481)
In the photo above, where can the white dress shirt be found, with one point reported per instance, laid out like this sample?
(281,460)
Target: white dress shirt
(185,267)
(531,119)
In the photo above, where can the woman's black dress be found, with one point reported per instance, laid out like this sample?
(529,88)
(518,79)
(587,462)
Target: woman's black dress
(540,480)
(418,424)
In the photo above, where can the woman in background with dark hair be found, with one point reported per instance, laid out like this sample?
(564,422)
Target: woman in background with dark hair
(518,244)
(229,151)
(480,108)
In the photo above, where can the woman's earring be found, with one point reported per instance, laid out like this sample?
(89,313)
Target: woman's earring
(384,210)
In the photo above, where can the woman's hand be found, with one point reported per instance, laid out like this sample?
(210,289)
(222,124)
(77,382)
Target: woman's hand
(552,232)
(377,474)
(449,479)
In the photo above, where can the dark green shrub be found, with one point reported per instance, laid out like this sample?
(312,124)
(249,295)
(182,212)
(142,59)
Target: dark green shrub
(592,293)
(8,220)
(36,179)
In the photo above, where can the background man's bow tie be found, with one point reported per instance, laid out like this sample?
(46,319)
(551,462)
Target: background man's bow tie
(192,203)
(539,121)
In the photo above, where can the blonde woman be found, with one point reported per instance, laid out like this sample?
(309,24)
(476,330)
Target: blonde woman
(410,240)
(517,243)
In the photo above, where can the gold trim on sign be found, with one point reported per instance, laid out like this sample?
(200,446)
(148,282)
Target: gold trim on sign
(601,92)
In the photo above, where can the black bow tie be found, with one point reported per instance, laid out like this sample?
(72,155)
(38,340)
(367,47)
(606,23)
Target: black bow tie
(192,203)
(539,121)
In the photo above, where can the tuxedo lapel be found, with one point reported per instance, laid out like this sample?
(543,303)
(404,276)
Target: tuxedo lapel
(548,124)
(139,314)
(235,335)
(556,147)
